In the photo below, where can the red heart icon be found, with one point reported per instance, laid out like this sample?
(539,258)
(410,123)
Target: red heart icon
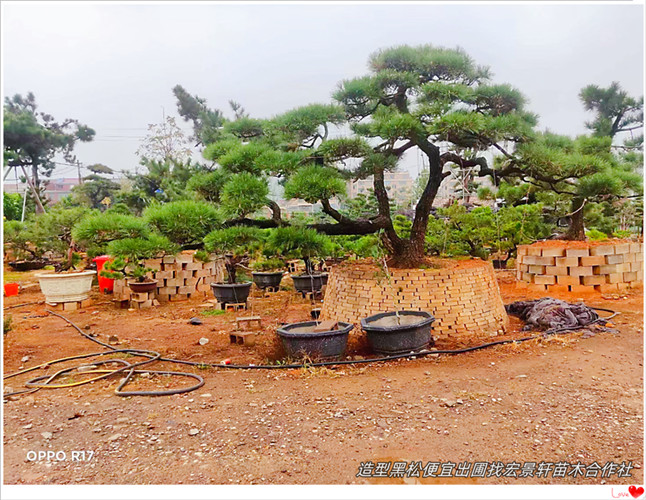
(636,492)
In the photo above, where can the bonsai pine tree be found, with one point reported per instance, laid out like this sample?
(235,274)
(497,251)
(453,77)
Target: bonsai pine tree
(575,176)
(236,244)
(414,98)
(300,243)
(130,254)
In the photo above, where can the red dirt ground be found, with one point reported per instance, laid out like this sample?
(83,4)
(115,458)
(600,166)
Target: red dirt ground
(571,398)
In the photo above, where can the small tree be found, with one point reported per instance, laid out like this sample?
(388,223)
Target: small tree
(130,254)
(94,232)
(299,243)
(185,223)
(236,244)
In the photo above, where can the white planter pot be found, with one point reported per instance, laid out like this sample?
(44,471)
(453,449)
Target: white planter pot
(72,287)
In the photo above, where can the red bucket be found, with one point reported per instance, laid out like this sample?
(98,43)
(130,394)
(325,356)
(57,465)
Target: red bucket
(11,289)
(105,284)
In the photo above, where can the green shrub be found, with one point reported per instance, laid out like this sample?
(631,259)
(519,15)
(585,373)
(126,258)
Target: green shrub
(299,243)
(130,253)
(185,223)
(235,244)
(18,238)
(95,232)
(267,265)
(596,235)
(208,185)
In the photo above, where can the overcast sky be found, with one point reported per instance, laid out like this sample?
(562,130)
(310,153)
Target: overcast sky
(112,66)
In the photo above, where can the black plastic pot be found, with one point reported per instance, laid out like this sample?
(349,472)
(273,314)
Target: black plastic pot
(299,340)
(28,265)
(309,282)
(267,280)
(231,293)
(398,339)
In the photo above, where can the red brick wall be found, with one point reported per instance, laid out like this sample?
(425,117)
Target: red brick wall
(580,266)
(464,299)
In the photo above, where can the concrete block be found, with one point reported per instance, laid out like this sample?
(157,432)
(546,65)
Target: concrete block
(552,252)
(581,271)
(602,250)
(577,252)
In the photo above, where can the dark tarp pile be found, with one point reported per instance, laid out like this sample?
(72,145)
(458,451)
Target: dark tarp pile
(553,314)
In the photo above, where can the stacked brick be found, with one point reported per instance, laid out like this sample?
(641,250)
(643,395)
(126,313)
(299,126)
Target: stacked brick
(465,299)
(179,277)
(580,267)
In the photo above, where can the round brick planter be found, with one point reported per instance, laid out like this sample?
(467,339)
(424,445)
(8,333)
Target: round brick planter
(463,296)
(580,266)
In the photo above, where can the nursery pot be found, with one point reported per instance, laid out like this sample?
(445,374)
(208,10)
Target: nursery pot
(11,289)
(300,340)
(309,282)
(105,284)
(385,336)
(27,265)
(70,287)
(265,280)
(142,287)
(231,293)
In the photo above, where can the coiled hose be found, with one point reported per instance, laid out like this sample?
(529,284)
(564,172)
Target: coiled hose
(45,382)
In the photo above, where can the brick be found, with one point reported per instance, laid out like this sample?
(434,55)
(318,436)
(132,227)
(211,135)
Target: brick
(167,290)
(194,266)
(185,290)
(607,269)
(568,280)
(628,277)
(602,250)
(556,270)
(530,259)
(580,271)
(553,252)
(85,303)
(622,248)
(629,257)
(577,252)
(184,258)
(533,287)
(70,306)
(163,275)
(615,278)
(635,248)
(527,277)
(521,250)
(174,282)
(607,288)
(545,280)
(636,266)
(153,264)
(533,250)
(593,280)
(537,269)
(168,259)
(614,259)
(639,257)
(597,260)
(582,289)
(567,261)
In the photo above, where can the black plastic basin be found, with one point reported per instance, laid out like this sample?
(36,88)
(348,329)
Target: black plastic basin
(385,336)
(267,280)
(309,282)
(231,293)
(299,340)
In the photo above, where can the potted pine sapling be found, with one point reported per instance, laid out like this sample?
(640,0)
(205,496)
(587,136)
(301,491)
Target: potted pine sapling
(306,244)
(129,260)
(235,244)
(268,272)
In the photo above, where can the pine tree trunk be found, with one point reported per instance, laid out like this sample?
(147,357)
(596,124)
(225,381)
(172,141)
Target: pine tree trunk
(576,232)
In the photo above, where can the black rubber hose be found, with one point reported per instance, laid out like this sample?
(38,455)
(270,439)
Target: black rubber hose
(154,356)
